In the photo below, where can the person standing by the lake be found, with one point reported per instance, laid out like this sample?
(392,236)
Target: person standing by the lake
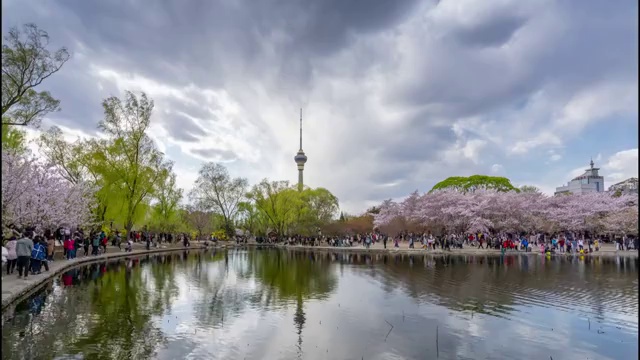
(385,238)
(24,246)
(12,258)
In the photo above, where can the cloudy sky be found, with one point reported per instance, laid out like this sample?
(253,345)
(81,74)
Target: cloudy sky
(397,95)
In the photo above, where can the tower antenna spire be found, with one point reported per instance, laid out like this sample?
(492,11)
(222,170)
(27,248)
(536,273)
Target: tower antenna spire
(300,128)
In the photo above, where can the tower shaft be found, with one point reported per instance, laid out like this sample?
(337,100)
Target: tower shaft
(300,159)
(300,179)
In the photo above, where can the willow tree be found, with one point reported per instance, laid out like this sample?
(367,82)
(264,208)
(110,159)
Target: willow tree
(475,182)
(315,209)
(165,213)
(131,158)
(277,201)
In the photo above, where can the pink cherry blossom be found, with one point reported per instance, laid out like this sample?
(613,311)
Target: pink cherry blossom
(487,210)
(35,194)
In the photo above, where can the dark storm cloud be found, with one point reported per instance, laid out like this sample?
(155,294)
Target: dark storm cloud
(209,38)
(491,33)
(182,128)
(305,53)
(216,154)
(467,81)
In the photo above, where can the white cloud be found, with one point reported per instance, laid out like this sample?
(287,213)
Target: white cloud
(555,157)
(497,168)
(621,166)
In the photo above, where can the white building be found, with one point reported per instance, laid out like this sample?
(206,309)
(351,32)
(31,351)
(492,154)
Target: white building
(588,182)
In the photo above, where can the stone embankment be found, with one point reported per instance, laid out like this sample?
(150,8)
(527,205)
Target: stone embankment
(14,288)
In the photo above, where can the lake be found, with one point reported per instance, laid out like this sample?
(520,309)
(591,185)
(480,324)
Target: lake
(299,304)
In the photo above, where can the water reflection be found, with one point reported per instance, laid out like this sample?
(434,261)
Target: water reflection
(300,304)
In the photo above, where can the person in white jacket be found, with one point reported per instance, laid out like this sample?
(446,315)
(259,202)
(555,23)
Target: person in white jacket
(12,257)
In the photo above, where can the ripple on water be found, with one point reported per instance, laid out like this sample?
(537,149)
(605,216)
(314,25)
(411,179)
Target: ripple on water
(288,304)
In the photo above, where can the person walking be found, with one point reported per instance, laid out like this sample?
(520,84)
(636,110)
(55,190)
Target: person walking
(384,241)
(85,244)
(95,244)
(37,255)
(12,258)
(51,247)
(24,247)
(103,242)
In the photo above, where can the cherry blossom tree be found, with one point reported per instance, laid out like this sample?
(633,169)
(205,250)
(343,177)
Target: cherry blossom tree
(36,194)
(495,211)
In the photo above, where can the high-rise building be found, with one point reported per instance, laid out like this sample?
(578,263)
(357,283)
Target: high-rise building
(300,159)
(589,181)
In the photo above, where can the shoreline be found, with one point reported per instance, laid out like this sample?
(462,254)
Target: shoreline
(14,288)
(467,251)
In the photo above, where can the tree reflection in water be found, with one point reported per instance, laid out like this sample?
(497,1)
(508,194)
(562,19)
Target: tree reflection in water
(116,310)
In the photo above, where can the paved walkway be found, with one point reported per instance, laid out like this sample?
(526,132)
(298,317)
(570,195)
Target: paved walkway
(14,288)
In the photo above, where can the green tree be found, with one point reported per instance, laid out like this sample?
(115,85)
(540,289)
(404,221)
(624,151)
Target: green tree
(64,155)
(26,63)
(277,201)
(165,212)
(132,161)
(250,218)
(316,208)
(83,160)
(13,139)
(216,191)
(475,182)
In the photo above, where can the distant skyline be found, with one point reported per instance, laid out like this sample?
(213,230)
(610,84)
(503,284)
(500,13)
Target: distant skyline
(397,95)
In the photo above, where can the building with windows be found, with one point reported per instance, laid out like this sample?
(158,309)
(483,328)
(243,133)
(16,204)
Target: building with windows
(590,181)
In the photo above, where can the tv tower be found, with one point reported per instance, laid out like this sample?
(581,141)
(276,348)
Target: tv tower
(300,159)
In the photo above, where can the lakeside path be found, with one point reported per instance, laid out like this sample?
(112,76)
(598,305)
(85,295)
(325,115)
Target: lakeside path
(606,250)
(14,288)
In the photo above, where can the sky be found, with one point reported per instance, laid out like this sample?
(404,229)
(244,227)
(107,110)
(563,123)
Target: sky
(396,95)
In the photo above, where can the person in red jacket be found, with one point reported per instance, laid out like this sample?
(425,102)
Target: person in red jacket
(70,248)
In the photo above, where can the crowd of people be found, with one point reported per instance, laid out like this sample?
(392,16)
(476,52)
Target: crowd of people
(28,251)
(564,242)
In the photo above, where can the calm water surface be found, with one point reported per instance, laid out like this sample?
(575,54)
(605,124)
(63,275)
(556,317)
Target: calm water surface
(278,304)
